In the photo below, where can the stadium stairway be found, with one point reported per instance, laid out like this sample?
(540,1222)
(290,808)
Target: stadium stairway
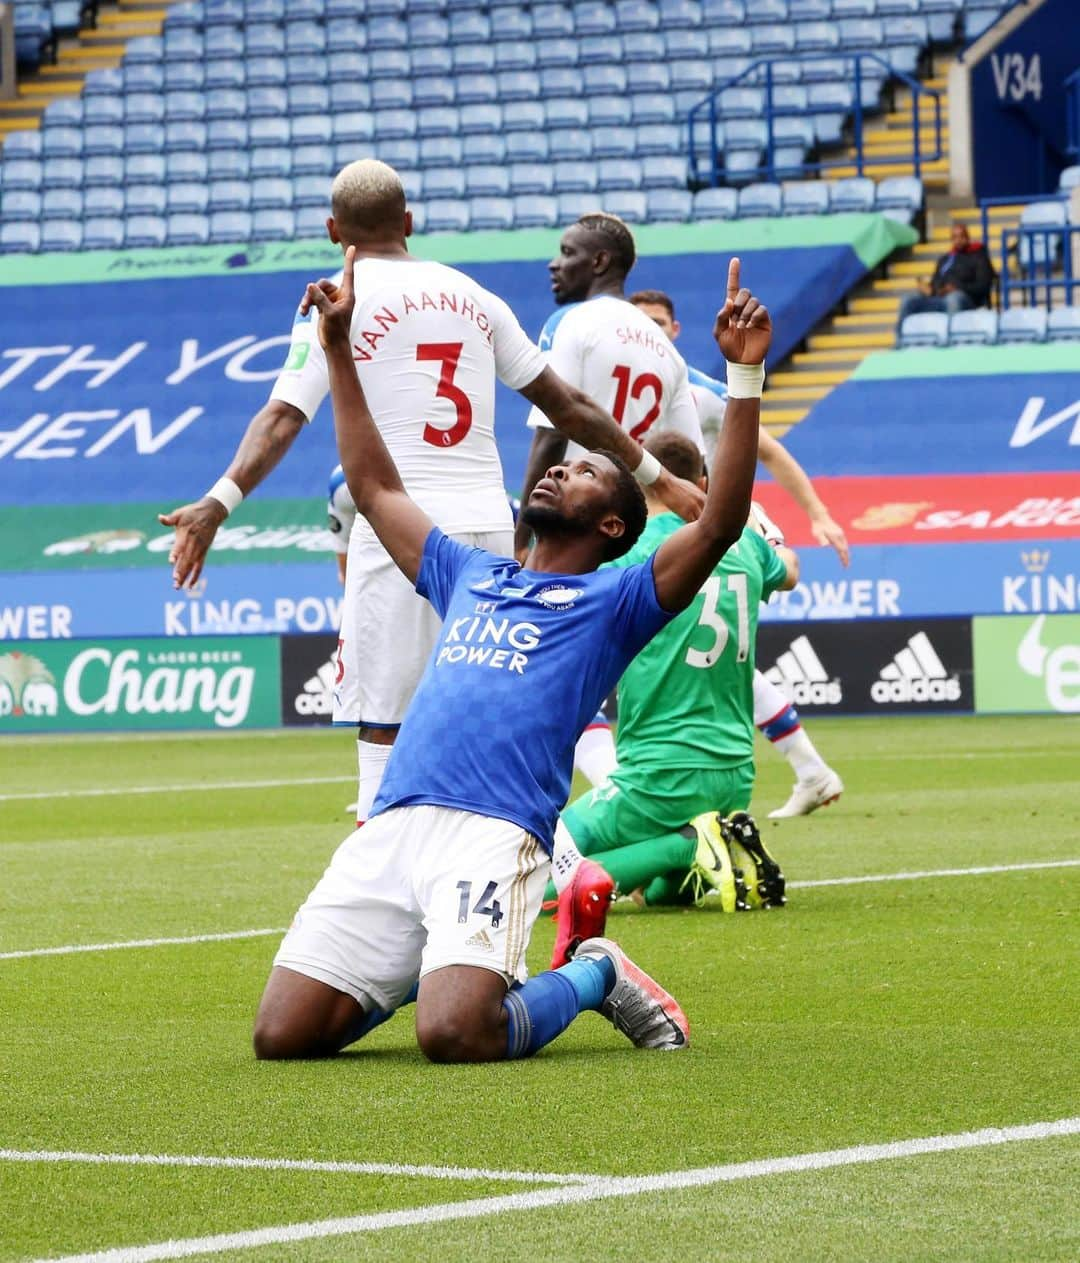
(97,48)
(867,320)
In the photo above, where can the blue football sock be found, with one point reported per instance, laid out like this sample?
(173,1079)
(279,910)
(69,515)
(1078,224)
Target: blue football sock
(546,1005)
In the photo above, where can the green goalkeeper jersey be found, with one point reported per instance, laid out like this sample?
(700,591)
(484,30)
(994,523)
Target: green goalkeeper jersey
(687,699)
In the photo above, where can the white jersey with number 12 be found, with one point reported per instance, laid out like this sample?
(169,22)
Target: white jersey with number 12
(613,352)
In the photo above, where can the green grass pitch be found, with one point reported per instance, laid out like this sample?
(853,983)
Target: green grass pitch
(858,1015)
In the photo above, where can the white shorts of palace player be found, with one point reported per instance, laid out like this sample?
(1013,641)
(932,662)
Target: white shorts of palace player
(417,889)
(613,352)
(428,343)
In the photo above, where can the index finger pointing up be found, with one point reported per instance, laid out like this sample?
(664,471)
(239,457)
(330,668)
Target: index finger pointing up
(347,274)
(733,278)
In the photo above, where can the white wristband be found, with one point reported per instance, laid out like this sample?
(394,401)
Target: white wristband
(226,493)
(745,381)
(649,469)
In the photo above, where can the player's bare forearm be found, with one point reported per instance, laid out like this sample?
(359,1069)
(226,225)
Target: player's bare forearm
(580,418)
(685,560)
(370,473)
(789,474)
(268,437)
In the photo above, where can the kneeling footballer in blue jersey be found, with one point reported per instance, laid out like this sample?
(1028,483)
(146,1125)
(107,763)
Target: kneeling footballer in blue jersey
(440,889)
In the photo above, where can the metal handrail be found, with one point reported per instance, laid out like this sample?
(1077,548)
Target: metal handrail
(1072,114)
(750,78)
(1021,199)
(1037,284)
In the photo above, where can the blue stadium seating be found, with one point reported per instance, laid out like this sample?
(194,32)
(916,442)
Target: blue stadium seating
(973,328)
(1022,324)
(926,329)
(1063,325)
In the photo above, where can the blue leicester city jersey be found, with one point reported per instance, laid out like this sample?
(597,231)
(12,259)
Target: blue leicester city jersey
(523,661)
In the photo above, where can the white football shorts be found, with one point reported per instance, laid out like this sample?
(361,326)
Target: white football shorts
(417,889)
(387,631)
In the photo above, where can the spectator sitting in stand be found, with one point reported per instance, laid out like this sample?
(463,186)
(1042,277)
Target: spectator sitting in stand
(962,279)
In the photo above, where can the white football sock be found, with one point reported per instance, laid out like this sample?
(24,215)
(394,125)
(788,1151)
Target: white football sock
(594,754)
(372,759)
(779,721)
(565,857)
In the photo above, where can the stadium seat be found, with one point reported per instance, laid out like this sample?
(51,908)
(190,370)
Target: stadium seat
(817,37)
(1022,324)
(66,113)
(20,205)
(601,80)
(141,231)
(22,144)
(669,205)
(899,192)
(186,199)
(230,226)
(594,19)
(518,85)
(535,212)
(470,58)
(556,52)
(101,203)
(104,142)
(444,182)
(270,161)
(511,24)
(187,230)
(618,175)
(20,174)
(272,225)
(229,195)
(659,139)
(515,54)
(491,213)
(552,20)
(432,62)
(104,233)
(233,74)
(571,206)
(529,147)
(476,119)
(1063,325)
(62,142)
(62,173)
(476,88)
(1039,245)
(664,173)
(759,200)
(601,50)
(614,142)
(574,177)
(1068,180)
(446,215)
(639,15)
(978,327)
(228,164)
(485,148)
(855,194)
(148,168)
(772,39)
(19,238)
(926,329)
(536,178)
(61,234)
(650,48)
(692,76)
(440,151)
(805,197)
(628,205)
(726,12)
(145,200)
(271,193)
(486,181)
(565,112)
(354,127)
(608,111)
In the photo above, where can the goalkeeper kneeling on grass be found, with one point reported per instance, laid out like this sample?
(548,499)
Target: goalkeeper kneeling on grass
(685,744)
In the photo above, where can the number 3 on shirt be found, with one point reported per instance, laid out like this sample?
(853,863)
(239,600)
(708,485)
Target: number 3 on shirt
(625,389)
(447,354)
(713,619)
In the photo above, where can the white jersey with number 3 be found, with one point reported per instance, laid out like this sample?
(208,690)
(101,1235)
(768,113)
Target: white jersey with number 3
(613,352)
(428,342)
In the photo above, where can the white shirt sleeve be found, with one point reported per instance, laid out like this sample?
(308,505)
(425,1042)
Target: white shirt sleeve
(304,382)
(682,413)
(563,352)
(518,360)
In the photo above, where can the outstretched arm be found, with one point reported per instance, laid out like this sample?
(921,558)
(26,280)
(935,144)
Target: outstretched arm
(370,472)
(685,560)
(789,474)
(266,440)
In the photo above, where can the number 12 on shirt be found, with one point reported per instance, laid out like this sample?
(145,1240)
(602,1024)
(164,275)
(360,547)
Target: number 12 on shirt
(712,618)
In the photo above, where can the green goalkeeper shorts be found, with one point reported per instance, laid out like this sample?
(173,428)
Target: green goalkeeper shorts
(636,804)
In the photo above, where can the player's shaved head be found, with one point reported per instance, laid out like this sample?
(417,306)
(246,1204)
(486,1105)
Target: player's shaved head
(613,236)
(677,453)
(368,200)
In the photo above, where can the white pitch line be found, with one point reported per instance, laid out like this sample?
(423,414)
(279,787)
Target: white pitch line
(919,875)
(290,1164)
(70,949)
(595,1190)
(114,791)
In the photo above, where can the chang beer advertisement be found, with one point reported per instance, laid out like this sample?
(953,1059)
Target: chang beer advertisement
(1028,664)
(120,685)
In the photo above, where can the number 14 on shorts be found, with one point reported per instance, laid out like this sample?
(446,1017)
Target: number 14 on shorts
(485,906)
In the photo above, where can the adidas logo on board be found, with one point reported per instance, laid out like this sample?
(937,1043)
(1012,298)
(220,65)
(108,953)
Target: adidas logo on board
(317,695)
(916,674)
(800,675)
